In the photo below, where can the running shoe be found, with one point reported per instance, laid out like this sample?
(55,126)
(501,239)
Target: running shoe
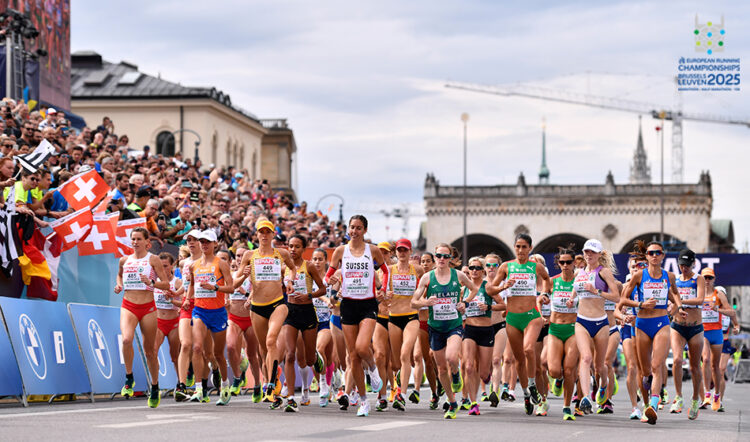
(257,396)
(200,396)
(336,381)
(694,410)
(720,409)
(269,396)
(586,405)
(216,378)
(314,385)
(181,394)
(323,400)
(284,391)
(397,378)
(399,403)
(676,405)
(716,404)
(542,408)
(636,414)
(450,413)
(364,409)
(276,404)
(706,403)
(440,389)
(484,397)
(339,394)
(376,382)
(382,405)
(325,390)
(577,411)
(243,380)
(606,408)
(236,387)
(414,397)
(664,396)
(127,389)
(528,405)
(568,414)
(318,364)
(291,406)
(504,395)
(474,410)
(494,400)
(601,396)
(434,402)
(368,386)
(353,398)
(446,406)
(650,415)
(457,381)
(535,396)
(557,387)
(646,386)
(244,363)
(616,387)
(224,396)
(465,404)
(343,401)
(154,398)
(392,394)
(190,381)
(277,387)
(511,396)
(305,400)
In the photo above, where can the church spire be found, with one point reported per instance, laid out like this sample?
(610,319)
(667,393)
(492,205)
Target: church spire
(544,171)
(640,171)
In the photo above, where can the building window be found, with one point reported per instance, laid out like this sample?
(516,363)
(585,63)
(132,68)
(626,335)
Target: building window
(254,164)
(214,148)
(228,157)
(242,157)
(165,144)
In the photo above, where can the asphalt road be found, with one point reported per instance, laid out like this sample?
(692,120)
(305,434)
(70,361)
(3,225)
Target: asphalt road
(132,419)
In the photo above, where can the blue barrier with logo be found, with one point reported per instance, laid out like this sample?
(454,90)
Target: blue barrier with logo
(45,346)
(10,377)
(98,331)
(167,375)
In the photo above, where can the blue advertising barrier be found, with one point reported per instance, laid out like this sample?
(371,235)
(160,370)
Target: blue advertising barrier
(88,279)
(98,330)
(10,377)
(45,346)
(167,375)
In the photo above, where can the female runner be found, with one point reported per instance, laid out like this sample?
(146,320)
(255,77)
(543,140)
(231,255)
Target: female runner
(381,347)
(635,263)
(135,279)
(425,363)
(440,291)
(523,320)
(185,374)
(168,311)
(324,344)
(268,302)
(358,261)
(657,287)
(502,356)
(593,285)
(715,306)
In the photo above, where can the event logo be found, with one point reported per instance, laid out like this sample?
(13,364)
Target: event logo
(100,349)
(32,345)
(709,36)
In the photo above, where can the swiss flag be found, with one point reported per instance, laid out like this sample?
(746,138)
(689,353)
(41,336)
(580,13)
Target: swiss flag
(73,228)
(84,190)
(101,238)
(101,208)
(124,245)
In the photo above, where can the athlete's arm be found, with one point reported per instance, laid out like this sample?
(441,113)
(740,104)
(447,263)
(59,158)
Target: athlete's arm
(541,272)
(289,262)
(628,290)
(700,293)
(417,299)
(725,308)
(614,290)
(493,288)
(673,295)
(118,284)
(335,263)
(163,282)
(377,256)
(226,273)
(469,284)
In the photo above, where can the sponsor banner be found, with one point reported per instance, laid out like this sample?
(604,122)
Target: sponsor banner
(10,377)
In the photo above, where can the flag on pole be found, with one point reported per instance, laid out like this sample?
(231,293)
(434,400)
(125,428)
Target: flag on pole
(72,228)
(100,240)
(84,190)
(9,239)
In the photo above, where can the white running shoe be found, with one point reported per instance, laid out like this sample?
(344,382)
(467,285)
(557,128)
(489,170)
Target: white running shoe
(353,398)
(284,391)
(364,409)
(375,382)
(305,400)
(636,414)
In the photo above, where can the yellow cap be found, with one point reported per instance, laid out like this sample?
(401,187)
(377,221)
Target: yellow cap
(264,224)
(385,245)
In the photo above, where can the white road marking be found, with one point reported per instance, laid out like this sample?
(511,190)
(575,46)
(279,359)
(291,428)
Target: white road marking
(386,426)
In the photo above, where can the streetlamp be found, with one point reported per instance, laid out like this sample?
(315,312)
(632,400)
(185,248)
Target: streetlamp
(662,115)
(464,253)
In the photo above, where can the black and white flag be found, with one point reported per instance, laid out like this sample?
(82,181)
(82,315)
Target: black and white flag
(34,160)
(8,234)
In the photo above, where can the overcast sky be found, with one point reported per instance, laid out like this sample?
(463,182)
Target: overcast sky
(364,84)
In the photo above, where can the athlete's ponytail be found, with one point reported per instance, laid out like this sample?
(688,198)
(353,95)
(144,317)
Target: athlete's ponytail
(607,261)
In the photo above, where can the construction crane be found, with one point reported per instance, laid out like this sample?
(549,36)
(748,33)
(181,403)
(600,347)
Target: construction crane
(675,115)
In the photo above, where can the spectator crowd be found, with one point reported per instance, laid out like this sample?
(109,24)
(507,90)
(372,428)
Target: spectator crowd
(174,194)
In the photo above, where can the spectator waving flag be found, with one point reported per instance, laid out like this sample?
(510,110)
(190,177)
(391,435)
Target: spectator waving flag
(100,239)
(73,228)
(8,234)
(84,190)
(124,244)
(33,161)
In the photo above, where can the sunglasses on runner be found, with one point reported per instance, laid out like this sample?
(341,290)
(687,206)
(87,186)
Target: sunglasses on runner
(708,278)
(655,252)
(475,268)
(565,262)
(443,256)
(641,265)
(492,265)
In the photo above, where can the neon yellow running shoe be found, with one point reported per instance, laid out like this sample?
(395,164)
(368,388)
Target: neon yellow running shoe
(154,398)
(450,413)
(127,390)
(457,382)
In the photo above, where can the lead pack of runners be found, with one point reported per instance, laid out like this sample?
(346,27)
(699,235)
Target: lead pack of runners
(374,318)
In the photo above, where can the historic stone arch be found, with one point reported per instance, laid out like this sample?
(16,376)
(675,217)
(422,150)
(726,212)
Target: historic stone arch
(551,243)
(480,244)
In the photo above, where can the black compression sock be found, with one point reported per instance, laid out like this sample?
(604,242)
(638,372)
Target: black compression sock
(204,384)
(190,369)
(274,370)
(129,378)
(155,387)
